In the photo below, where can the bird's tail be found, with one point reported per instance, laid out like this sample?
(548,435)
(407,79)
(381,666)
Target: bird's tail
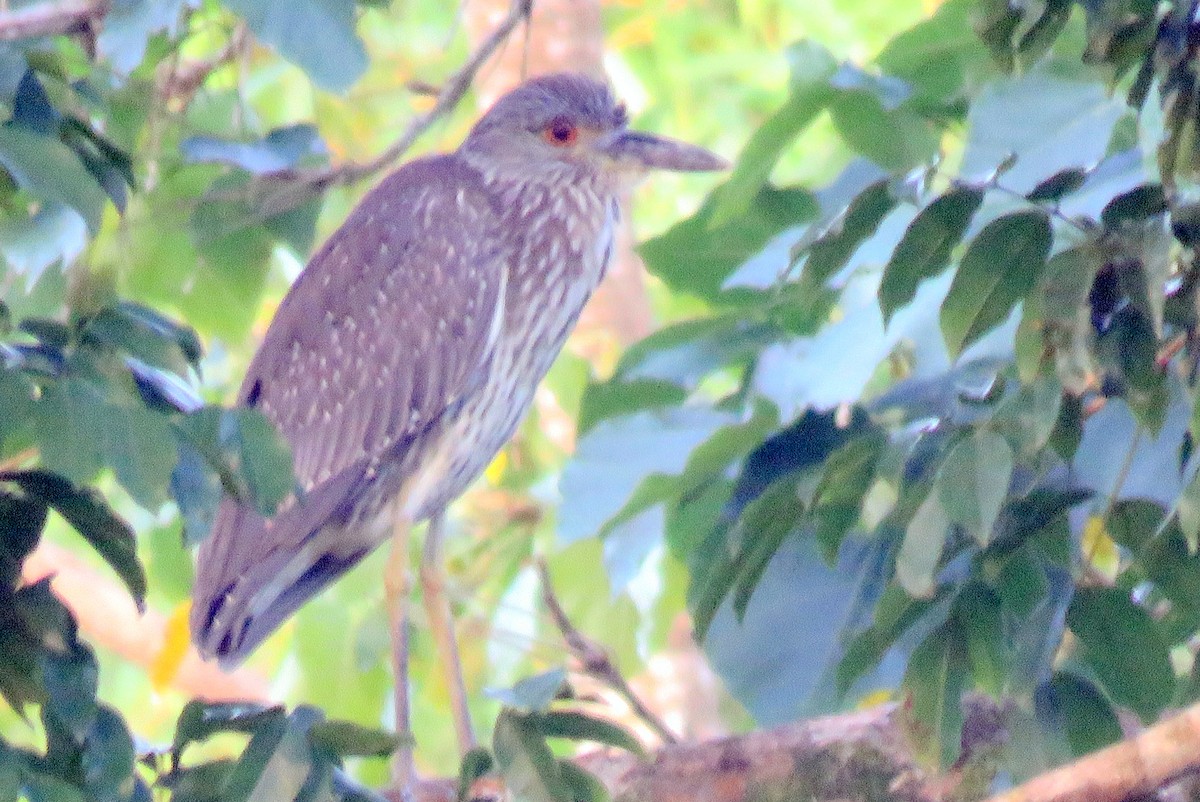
(253,572)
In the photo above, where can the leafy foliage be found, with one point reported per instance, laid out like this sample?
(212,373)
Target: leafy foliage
(971,486)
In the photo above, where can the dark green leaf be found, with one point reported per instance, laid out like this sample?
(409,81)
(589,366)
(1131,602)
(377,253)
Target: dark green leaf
(925,249)
(70,679)
(1056,186)
(585,786)
(198,720)
(933,686)
(830,252)
(579,726)
(759,532)
(978,613)
(475,764)
(85,510)
(849,473)
(21,522)
(48,788)
(10,774)
(48,332)
(1086,717)
(1001,265)
(1133,522)
(1124,649)
(895,612)
(347,739)
(108,757)
(1135,205)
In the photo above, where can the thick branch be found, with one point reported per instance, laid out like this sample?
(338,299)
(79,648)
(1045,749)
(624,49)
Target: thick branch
(1127,770)
(47,19)
(858,756)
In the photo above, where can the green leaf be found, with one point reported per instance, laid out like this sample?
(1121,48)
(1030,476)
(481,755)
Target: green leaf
(1134,206)
(1028,417)
(198,720)
(759,532)
(70,679)
(1062,183)
(696,256)
(895,612)
(347,739)
(830,252)
(318,35)
(1123,647)
(1001,265)
(51,171)
(141,449)
(924,251)
(530,771)
(1133,522)
(978,613)
(21,521)
(618,397)
(475,764)
(85,509)
(812,65)
(585,786)
(896,139)
(266,460)
(849,474)
(48,788)
(10,774)
(933,686)
(921,550)
(532,694)
(108,757)
(579,726)
(973,483)
(1086,717)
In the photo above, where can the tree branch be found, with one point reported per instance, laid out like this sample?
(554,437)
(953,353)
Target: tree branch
(47,19)
(594,660)
(1127,770)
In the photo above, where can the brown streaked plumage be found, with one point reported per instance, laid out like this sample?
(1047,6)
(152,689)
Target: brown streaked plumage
(410,347)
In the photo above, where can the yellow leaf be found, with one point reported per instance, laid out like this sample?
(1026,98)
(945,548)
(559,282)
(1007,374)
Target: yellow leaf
(175,646)
(496,469)
(875,698)
(1099,549)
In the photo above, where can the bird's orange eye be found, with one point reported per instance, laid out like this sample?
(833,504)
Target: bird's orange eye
(560,133)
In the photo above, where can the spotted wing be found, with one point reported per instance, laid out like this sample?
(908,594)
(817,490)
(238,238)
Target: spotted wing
(387,328)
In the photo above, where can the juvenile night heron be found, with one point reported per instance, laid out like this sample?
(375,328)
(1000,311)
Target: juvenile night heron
(410,347)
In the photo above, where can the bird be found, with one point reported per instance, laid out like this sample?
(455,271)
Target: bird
(407,352)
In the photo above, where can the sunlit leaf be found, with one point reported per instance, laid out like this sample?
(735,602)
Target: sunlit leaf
(921,551)
(51,171)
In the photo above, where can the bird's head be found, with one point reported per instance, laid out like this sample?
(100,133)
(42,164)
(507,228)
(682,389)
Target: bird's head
(570,120)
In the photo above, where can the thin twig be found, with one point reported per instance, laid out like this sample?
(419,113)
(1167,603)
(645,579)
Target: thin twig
(594,659)
(50,18)
(452,92)
(285,190)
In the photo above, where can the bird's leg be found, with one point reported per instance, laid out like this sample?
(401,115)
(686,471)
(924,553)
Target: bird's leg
(437,607)
(397,586)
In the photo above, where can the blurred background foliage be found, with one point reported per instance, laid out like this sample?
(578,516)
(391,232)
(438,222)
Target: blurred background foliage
(919,419)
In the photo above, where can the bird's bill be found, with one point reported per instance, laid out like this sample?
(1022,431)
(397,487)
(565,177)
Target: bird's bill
(634,149)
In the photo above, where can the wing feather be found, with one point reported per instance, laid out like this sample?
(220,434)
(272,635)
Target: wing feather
(391,322)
